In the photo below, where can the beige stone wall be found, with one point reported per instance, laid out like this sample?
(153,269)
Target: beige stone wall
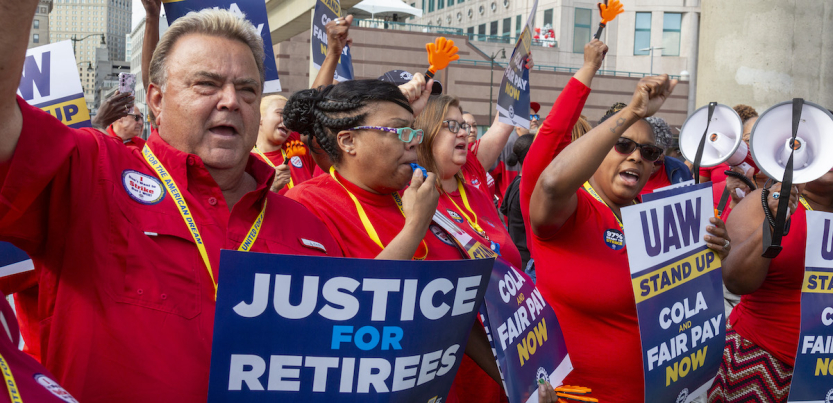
(762,52)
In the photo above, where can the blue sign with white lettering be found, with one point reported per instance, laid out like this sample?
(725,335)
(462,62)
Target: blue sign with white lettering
(678,287)
(812,379)
(313,329)
(252,10)
(513,98)
(326,11)
(525,334)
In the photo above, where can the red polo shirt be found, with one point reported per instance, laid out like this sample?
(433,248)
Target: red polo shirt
(301,168)
(126,304)
(136,142)
(475,174)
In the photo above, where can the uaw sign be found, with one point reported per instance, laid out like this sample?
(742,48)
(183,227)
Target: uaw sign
(813,371)
(50,82)
(513,98)
(313,329)
(326,11)
(252,10)
(678,286)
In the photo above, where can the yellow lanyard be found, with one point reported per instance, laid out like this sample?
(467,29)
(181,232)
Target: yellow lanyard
(268,161)
(474,224)
(596,196)
(805,204)
(185,212)
(8,378)
(368,226)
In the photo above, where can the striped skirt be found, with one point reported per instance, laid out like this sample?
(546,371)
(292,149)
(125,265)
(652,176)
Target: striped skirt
(749,374)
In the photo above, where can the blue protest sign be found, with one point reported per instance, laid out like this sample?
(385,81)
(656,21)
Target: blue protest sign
(813,371)
(677,283)
(525,334)
(326,11)
(513,98)
(311,329)
(13,260)
(252,10)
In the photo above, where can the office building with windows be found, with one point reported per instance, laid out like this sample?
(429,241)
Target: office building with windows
(40,25)
(86,21)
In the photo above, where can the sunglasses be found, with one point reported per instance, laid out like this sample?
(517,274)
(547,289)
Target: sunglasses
(137,117)
(534,117)
(626,146)
(455,126)
(405,134)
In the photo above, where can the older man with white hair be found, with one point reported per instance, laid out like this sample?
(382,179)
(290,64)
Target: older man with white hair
(126,242)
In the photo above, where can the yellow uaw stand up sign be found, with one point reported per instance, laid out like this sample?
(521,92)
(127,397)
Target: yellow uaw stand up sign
(50,82)
(678,287)
(813,371)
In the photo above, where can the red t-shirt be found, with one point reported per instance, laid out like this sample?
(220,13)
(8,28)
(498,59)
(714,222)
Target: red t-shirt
(656,181)
(34,382)
(588,284)
(475,174)
(770,317)
(716,173)
(301,168)
(126,305)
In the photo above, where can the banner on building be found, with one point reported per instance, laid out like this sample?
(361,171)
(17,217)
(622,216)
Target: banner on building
(677,281)
(513,98)
(326,11)
(50,82)
(313,329)
(252,10)
(812,379)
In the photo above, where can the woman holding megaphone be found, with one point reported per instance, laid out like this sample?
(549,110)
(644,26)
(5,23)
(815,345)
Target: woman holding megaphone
(582,273)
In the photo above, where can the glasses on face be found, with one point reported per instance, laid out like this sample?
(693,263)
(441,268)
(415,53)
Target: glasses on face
(137,116)
(406,134)
(534,117)
(626,146)
(455,126)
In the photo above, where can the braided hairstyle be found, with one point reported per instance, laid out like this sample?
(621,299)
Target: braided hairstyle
(325,111)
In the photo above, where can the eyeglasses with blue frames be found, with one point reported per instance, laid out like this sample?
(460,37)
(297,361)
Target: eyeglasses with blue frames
(455,126)
(406,134)
(534,117)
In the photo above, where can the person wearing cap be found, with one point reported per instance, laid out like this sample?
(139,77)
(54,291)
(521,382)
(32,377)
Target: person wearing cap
(505,173)
(126,244)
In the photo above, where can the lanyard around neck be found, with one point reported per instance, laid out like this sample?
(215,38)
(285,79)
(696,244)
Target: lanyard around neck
(805,204)
(185,212)
(268,161)
(598,198)
(474,223)
(8,379)
(368,226)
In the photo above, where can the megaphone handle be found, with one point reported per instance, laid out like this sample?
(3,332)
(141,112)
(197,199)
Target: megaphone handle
(699,155)
(599,31)
(723,201)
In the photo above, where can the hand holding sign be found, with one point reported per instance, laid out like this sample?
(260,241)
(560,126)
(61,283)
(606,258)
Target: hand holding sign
(440,54)
(608,11)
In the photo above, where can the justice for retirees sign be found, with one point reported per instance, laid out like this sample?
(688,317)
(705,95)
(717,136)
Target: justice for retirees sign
(677,283)
(326,11)
(312,329)
(813,371)
(50,82)
(513,98)
(252,10)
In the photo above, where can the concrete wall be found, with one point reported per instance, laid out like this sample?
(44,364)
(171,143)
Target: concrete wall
(406,50)
(762,52)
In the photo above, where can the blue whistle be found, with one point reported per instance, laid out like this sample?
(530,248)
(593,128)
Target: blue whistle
(416,166)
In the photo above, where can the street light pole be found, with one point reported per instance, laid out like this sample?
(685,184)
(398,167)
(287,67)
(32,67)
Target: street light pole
(651,49)
(74,40)
(502,53)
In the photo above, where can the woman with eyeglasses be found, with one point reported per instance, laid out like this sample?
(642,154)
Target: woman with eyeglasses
(576,202)
(366,129)
(445,151)
(667,170)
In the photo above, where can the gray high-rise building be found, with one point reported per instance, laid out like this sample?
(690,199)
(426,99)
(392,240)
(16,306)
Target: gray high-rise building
(40,25)
(85,21)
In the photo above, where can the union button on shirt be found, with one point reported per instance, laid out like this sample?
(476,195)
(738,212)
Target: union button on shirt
(125,303)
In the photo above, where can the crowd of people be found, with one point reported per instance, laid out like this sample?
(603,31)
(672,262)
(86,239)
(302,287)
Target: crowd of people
(120,306)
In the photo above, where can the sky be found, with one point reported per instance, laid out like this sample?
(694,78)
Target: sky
(138,13)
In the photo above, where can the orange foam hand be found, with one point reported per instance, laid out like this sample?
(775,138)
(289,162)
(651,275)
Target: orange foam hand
(295,148)
(610,11)
(440,54)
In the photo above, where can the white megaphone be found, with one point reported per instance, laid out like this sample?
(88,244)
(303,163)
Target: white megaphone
(724,138)
(772,134)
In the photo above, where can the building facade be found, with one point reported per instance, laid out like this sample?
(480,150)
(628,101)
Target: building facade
(84,22)
(40,25)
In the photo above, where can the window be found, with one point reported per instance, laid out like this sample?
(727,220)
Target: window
(642,34)
(35,38)
(581,29)
(548,17)
(671,24)
(518,26)
(440,4)
(460,1)
(37,24)
(493,28)
(507,26)
(430,6)
(470,31)
(481,30)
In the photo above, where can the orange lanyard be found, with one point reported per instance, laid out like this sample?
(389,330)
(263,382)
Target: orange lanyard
(368,226)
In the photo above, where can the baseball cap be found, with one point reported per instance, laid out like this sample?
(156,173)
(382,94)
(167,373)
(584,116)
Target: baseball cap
(400,77)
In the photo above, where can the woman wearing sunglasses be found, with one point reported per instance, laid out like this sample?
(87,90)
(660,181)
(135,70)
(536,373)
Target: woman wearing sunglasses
(576,201)
(445,151)
(667,170)
(365,127)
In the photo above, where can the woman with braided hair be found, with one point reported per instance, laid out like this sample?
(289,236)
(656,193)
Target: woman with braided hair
(365,128)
